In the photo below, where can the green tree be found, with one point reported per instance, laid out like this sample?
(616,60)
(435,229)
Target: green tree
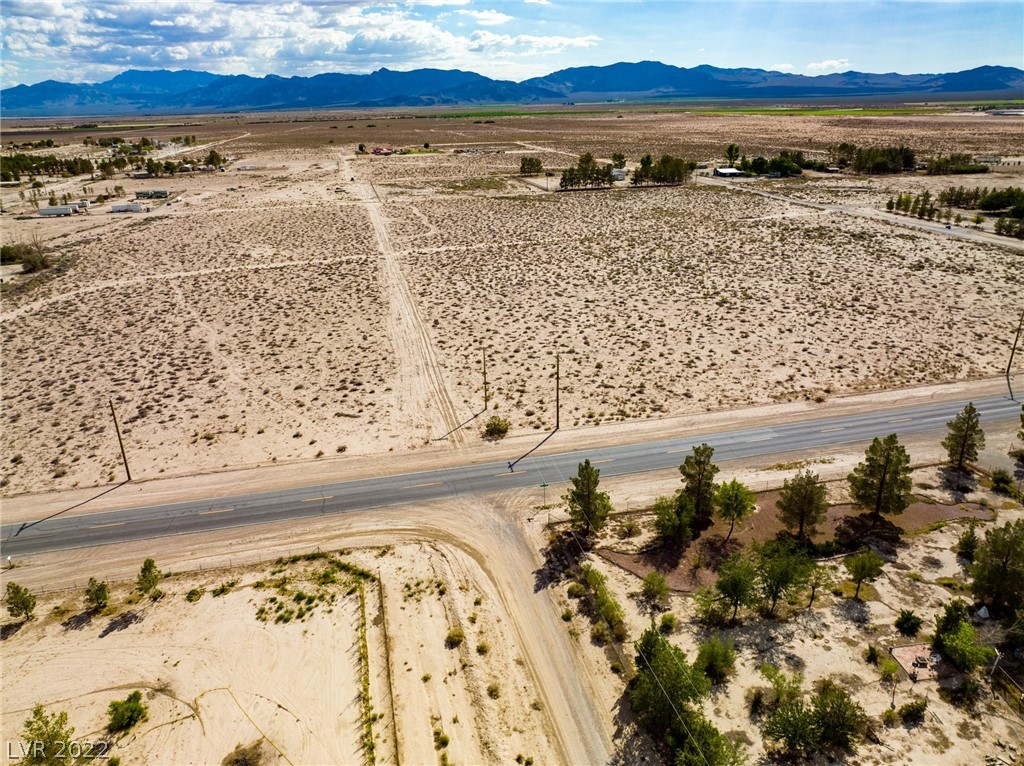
(214,158)
(148,577)
(881,484)
(732,153)
(802,504)
(124,714)
(52,731)
(793,727)
(781,569)
(20,603)
(699,482)
(672,518)
(665,682)
(965,437)
(998,569)
(735,502)
(588,507)
(530,166)
(820,576)
(955,637)
(96,594)
(864,566)
(967,544)
(737,582)
(841,721)
(618,160)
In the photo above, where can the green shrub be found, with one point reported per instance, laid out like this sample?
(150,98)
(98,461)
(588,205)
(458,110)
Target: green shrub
(908,623)
(1002,482)
(493,691)
(483,648)
(890,718)
(716,659)
(454,638)
(496,428)
(599,633)
(967,545)
(872,655)
(224,588)
(668,623)
(576,590)
(124,714)
(913,712)
(96,594)
(655,590)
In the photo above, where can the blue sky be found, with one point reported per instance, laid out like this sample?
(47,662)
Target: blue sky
(88,40)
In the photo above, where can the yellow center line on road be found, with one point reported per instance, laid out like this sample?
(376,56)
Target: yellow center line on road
(101,526)
(216,510)
(837,428)
(760,439)
(901,420)
(314,499)
(510,473)
(674,451)
(428,484)
(606,460)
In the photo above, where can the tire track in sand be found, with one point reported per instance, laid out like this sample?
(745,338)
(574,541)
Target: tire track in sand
(423,402)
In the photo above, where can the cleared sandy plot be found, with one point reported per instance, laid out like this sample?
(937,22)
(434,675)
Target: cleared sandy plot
(222,338)
(277,657)
(212,674)
(679,300)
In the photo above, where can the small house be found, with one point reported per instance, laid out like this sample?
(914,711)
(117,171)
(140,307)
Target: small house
(729,172)
(57,210)
(126,207)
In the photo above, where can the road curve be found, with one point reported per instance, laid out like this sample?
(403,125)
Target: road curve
(63,532)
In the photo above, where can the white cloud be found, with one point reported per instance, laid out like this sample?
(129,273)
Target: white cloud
(538,2)
(781,68)
(437,2)
(828,65)
(487,18)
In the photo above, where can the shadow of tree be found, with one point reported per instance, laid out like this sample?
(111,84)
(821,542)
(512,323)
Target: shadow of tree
(562,556)
(663,556)
(121,622)
(9,629)
(867,527)
(79,621)
(632,744)
(714,549)
(854,610)
(958,483)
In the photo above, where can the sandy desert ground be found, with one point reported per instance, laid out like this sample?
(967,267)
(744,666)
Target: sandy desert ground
(328,305)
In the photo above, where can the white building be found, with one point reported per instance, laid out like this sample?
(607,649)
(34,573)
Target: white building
(729,172)
(58,210)
(127,207)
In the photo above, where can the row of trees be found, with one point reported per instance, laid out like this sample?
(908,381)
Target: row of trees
(21,603)
(586,173)
(1010,199)
(16,165)
(955,164)
(666,170)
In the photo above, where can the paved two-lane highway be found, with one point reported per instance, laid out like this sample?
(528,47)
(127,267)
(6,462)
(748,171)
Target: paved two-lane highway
(76,531)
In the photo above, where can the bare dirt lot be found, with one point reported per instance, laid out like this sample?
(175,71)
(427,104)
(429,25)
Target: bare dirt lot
(325,305)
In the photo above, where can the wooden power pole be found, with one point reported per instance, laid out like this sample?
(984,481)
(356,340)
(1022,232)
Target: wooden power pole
(117,428)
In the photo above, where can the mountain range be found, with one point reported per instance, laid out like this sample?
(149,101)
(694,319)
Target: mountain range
(186,91)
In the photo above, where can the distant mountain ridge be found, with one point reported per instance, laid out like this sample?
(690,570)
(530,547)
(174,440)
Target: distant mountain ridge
(183,91)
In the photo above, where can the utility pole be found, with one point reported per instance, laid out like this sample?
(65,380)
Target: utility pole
(1012,352)
(117,429)
(483,353)
(558,408)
